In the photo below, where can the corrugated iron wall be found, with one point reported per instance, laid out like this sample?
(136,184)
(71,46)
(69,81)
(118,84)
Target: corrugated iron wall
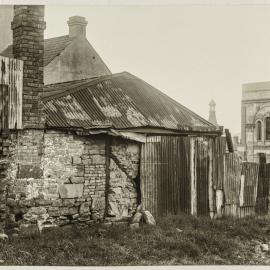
(202,175)
(263,189)
(232,181)
(195,175)
(11,83)
(165,175)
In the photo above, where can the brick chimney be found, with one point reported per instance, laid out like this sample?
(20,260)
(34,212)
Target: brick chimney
(28,45)
(77,26)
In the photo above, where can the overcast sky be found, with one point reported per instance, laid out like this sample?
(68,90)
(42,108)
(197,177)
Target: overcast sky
(191,53)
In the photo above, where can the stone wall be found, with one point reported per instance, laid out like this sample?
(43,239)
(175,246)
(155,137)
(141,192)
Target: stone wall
(123,184)
(56,178)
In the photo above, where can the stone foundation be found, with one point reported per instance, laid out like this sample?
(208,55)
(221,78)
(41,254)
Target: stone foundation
(54,178)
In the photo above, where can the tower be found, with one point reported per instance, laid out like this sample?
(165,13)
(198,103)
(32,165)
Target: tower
(212,113)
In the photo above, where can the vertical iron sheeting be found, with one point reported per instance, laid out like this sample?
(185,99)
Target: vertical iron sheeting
(202,172)
(11,86)
(250,181)
(263,189)
(232,180)
(165,175)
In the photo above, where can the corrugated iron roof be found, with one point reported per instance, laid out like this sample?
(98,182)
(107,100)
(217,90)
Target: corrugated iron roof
(52,48)
(120,101)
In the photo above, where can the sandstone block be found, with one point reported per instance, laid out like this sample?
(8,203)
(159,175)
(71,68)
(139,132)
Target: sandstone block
(134,226)
(148,218)
(136,218)
(77,179)
(3,236)
(84,208)
(71,190)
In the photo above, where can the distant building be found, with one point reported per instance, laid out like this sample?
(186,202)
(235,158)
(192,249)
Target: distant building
(255,120)
(212,113)
(70,57)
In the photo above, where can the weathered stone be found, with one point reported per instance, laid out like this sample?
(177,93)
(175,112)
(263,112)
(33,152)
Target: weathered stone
(75,216)
(36,213)
(29,171)
(43,225)
(29,230)
(76,160)
(265,247)
(11,202)
(98,159)
(136,218)
(70,190)
(134,226)
(77,179)
(3,236)
(148,218)
(84,208)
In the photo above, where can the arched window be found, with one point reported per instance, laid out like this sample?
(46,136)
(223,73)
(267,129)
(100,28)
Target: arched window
(259,131)
(267,128)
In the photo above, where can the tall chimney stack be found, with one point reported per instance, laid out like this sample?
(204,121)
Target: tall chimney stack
(77,26)
(28,45)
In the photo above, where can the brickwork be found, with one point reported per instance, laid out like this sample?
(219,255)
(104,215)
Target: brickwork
(28,45)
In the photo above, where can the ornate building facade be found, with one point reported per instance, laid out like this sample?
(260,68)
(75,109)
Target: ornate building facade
(255,121)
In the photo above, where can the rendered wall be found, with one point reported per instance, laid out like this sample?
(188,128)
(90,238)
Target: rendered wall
(78,61)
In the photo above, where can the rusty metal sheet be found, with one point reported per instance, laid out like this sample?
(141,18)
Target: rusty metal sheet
(120,101)
(165,175)
(202,173)
(263,189)
(232,181)
(11,86)
(250,173)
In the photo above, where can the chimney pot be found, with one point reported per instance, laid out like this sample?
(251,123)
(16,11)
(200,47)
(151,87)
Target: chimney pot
(77,26)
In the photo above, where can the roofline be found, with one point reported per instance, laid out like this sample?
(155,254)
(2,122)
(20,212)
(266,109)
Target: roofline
(173,100)
(89,82)
(194,131)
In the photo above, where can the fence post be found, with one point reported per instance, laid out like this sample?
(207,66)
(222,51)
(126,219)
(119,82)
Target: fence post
(210,180)
(193,177)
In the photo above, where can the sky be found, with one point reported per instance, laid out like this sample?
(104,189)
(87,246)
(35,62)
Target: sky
(193,53)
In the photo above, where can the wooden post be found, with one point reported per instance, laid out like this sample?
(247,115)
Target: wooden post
(229,140)
(210,179)
(193,177)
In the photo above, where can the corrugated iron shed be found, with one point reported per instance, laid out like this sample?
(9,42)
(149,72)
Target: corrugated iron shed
(121,101)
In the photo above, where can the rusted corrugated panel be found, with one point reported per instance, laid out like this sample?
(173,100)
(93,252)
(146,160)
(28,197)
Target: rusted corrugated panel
(250,172)
(120,100)
(202,172)
(165,175)
(11,83)
(263,189)
(219,149)
(232,180)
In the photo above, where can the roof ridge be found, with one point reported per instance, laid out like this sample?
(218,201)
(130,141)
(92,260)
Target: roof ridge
(70,89)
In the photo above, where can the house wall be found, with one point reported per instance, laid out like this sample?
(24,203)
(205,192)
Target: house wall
(255,107)
(78,61)
(57,178)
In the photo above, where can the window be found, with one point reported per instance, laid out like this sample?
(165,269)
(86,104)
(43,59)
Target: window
(267,128)
(259,130)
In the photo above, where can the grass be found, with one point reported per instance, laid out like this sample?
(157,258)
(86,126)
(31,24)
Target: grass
(202,241)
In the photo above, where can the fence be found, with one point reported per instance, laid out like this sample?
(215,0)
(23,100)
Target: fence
(195,175)
(11,83)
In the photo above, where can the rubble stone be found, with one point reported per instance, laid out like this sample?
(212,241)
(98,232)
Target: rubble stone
(148,218)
